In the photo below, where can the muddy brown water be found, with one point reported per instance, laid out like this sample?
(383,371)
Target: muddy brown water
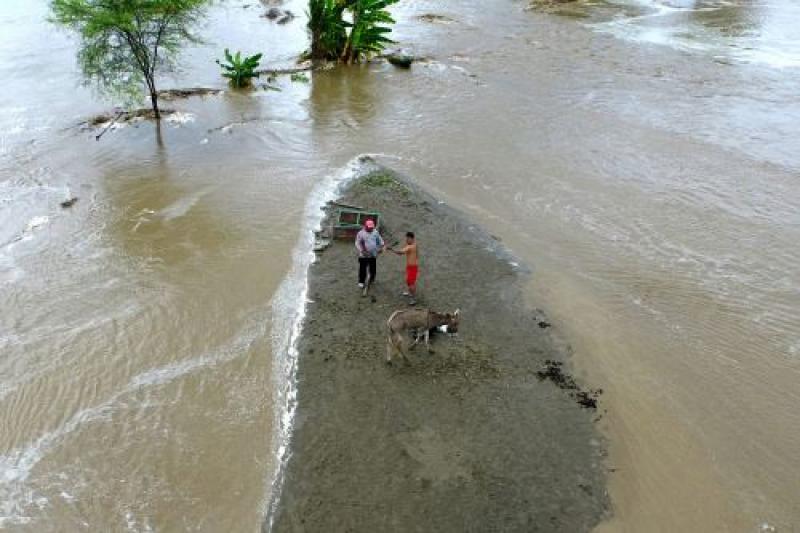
(641,158)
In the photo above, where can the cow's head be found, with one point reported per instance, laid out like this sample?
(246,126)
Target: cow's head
(452,321)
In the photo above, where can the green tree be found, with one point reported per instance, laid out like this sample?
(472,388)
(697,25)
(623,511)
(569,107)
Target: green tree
(348,30)
(126,43)
(367,35)
(328,28)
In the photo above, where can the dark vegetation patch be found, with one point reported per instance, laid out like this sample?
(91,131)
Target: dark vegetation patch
(66,204)
(174,94)
(125,116)
(553,371)
(303,66)
(379,180)
(434,18)
(565,8)
(276,14)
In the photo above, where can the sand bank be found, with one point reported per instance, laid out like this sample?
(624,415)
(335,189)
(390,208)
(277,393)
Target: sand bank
(468,438)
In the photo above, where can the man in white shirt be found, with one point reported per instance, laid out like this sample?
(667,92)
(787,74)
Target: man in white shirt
(369,244)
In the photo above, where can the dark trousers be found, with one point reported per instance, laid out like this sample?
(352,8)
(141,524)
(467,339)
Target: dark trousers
(363,264)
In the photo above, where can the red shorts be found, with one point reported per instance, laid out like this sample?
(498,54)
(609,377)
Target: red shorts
(411,274)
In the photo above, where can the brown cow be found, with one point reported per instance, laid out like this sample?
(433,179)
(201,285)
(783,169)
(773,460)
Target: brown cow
(420,320)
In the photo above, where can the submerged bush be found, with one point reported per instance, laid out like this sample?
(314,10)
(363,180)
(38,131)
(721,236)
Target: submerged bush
(327,27)
(240,71)
(368,35)
(348,30)
(382,180)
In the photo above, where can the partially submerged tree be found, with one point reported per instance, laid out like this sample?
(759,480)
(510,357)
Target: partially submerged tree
(367,35)
(328,28)
(126,43)
(348,30)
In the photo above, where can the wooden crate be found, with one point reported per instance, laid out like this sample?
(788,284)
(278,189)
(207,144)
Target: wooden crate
(350,221)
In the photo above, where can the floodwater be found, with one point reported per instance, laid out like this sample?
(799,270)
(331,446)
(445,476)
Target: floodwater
(643,157)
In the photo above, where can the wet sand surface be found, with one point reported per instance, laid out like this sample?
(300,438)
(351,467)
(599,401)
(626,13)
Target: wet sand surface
(467,438)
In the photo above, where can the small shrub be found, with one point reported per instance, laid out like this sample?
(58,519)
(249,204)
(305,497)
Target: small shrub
(299,77)
(240,71)
(380,180)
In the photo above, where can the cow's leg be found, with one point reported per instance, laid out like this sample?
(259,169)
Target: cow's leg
(428,340)
(400,348)
(416,335)
(389,349)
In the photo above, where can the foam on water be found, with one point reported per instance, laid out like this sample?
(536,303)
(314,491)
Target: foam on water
(27,201)
(19,496)
(289,311)
(37,222)
(9,273)
(184,205)
(178,118)
(11,381)
(773,47)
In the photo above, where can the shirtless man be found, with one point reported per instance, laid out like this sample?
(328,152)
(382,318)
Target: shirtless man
(412,265)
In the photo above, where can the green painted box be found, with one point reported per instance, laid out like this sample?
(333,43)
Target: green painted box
(350,221)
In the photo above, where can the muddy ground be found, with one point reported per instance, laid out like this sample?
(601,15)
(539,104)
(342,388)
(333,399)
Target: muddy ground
(472,437)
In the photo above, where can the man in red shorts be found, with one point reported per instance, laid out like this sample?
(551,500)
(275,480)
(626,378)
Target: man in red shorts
(412,265)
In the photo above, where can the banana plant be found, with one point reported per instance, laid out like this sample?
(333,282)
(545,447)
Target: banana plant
(240,71)
(327,27)
(337,37)
(368,34)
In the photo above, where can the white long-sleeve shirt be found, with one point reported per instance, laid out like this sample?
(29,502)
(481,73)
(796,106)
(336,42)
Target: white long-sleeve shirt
(368,243)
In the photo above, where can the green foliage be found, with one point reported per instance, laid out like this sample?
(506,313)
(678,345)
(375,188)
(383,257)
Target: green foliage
(328,28)
(300,77)
(368,34)
(240,71)
(348,30)
(380,180)
(126,43)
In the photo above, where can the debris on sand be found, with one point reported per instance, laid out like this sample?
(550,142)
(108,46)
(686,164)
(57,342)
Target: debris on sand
(566,8)
(174,94)
(122,117)
(400,59)
(66,204)
(280,16)
(304,66)
(553,371)
(543,4)
(433,18)
(300,77)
